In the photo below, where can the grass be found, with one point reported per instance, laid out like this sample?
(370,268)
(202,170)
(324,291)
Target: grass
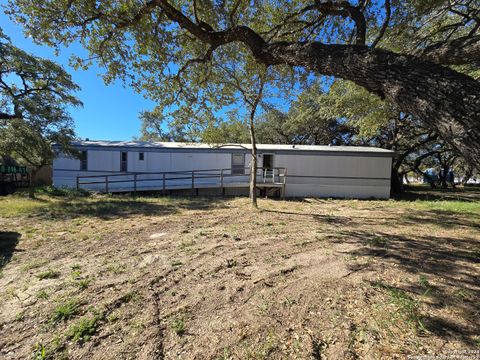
(83,330)
(48,274)
(178,326)
(83,283)
(65,311)
(407,308)
(345,244)
(455,207)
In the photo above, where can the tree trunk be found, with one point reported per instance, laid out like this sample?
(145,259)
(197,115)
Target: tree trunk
(253,166)
(396,181)
(468,174)
(31,183)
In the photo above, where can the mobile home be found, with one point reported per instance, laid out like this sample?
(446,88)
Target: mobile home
(297,170)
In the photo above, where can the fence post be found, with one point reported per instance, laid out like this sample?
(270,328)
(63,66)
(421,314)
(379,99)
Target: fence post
(78,183)
(106,184)
(135,184)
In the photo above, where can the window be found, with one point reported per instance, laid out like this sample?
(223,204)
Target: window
(238,164)
(123,161)
(141,156)
(83,160)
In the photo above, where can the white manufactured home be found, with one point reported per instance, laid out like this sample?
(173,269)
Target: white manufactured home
(293,170)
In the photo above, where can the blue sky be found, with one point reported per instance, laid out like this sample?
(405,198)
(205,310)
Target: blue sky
(109,112)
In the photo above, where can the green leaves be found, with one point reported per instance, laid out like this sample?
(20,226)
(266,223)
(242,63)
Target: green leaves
(34,98)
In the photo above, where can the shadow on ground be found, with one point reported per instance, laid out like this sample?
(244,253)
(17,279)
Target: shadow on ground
(415,193)
(452,261)
(113,207)
(8,242)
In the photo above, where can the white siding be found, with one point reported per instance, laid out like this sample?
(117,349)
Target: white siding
(308,174)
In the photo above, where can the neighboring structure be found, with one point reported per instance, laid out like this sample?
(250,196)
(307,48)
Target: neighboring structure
(300,170)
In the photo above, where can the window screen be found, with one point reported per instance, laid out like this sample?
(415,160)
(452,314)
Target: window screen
(83,160)
(238,164)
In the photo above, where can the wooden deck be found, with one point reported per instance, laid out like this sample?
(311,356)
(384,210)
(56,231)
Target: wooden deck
(269,181)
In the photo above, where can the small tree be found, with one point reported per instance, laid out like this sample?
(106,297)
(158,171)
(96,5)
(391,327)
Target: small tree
(34,96)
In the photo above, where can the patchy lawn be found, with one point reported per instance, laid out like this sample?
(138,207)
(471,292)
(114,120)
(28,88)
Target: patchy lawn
(121,278)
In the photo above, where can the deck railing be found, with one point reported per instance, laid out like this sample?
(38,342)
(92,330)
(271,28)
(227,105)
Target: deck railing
(169,180)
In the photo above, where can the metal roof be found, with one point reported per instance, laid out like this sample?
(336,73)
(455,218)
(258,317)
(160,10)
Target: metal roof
(263,147)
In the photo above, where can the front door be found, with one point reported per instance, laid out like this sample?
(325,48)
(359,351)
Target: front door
(268,161)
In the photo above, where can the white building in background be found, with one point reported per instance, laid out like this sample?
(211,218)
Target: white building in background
(301,170)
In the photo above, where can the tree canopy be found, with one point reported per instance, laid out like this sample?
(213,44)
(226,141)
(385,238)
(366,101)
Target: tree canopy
(35,95)
(420,55)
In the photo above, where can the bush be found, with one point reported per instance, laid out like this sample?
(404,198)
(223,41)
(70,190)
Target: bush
(64,192)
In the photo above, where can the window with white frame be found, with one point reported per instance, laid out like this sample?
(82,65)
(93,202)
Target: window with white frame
(238,164)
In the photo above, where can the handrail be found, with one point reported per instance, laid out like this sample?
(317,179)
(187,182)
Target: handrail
(136,177)
(173,172)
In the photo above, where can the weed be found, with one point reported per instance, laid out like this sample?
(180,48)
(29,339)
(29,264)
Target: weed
(20,316)
(288,302)
(83,283)
(378,241)
(33,265)
(83,329)
(231,263)
(177,263)
(463,294)
(178,326)
(130,296)
(226,355)
(64,311)
(76,274)
(408,309)
(113,317)
(116,268)
(40,352)
(49,274)
(264,307)
(423,281)
(42,294)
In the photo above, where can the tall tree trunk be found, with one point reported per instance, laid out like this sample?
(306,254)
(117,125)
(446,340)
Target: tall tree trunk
(253,163)
(396,181)
(31,183)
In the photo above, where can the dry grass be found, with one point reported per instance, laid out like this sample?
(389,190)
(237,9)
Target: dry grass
(115,277)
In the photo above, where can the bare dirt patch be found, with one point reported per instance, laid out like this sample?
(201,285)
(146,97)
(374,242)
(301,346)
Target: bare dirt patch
(114,278)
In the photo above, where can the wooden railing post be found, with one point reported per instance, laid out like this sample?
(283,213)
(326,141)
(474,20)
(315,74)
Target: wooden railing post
(221,182)
(193,181)
(135,184)
(163,185)
(78,183)
(106,184)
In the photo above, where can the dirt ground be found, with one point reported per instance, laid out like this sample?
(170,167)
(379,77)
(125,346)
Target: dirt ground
(163,278)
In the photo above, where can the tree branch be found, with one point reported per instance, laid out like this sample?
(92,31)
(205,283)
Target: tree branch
(459,51)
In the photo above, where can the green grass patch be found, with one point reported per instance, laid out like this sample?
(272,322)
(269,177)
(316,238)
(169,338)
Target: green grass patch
(407,309)
(83,329)
(452,206)
(49,274)
(65,311)
(178,326)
